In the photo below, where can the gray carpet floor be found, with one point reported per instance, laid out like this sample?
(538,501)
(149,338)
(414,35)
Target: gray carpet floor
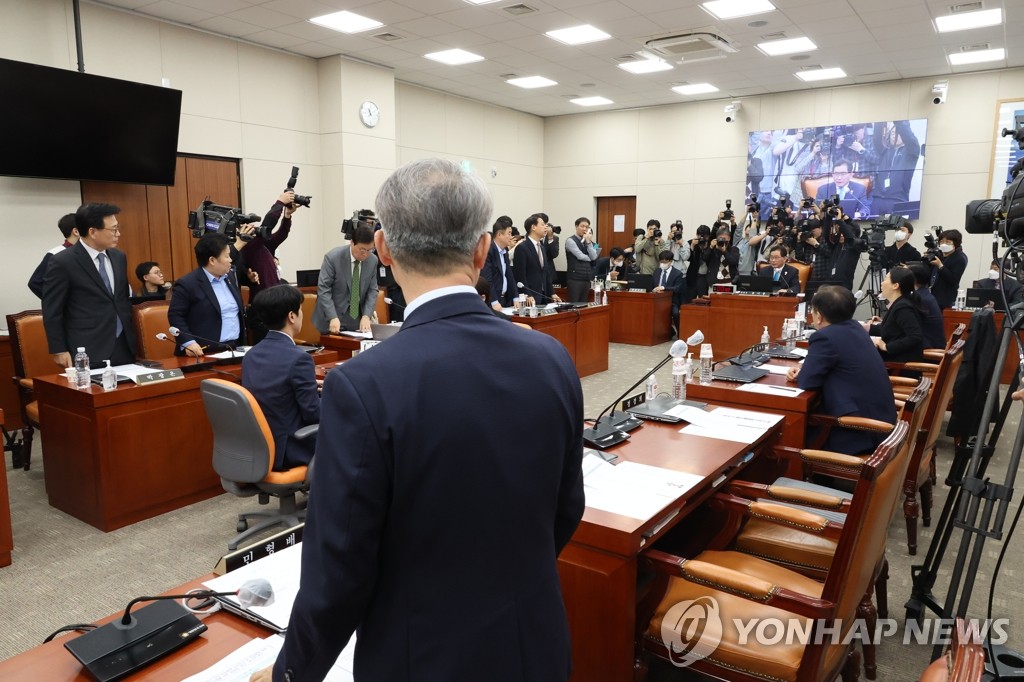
(66,571)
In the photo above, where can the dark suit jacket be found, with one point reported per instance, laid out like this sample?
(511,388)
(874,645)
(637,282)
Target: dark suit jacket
(432,532)
(676,284)
(931,320)
(855,190)
(1014,289)
(900,328)
(79,310)
(195,310)
(282,378)
(947,278)
(789,278)
(844,365)
(538,281)
(492,273)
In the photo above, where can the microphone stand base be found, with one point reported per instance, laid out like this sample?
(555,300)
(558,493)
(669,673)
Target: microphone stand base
(603,436)
(624,421)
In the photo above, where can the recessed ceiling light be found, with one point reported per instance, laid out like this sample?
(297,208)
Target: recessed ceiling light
(530,82)
(346,22)
(977,56)
(730,9)
(480,2)
(966,20)
(454,57)
(695,89)
(577,35)
(775,48)
(646,65)
(591,101)
(821,74)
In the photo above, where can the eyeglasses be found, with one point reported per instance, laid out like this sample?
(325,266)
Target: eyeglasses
(362,250)
(115,230)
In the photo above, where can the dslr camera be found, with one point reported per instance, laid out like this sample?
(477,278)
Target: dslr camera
(209,218)
(300,200)
(727,214)
(753,205)
(557,229)
(931,244)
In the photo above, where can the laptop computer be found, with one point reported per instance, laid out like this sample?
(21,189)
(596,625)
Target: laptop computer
(738,374)
(655,410)
(638,281)
(753,284)
(307,278)
(384,331)
(977,298)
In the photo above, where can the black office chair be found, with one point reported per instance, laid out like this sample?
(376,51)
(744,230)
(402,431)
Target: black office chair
(243,457)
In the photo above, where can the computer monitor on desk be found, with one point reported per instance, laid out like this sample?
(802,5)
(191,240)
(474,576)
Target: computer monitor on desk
(753,284)
(978,298)
(638,281)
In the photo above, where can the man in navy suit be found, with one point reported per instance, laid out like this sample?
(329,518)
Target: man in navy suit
(846,189)
(843,364)
(497,269)
(281,376)
(206,305)
(668,278)
(532,260)
(785,278)
(428,530)
(85,293)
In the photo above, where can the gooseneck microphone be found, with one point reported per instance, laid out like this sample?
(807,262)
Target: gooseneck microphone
(534,292)
(255,592)
(175,332)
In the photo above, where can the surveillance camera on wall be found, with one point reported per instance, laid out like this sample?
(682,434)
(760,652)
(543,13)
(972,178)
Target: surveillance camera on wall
(731,110)
(939,92)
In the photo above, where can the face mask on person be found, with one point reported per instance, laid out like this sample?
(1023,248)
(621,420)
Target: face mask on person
(993,274)
(946,248)
(666,266)
(619,263)
(901,235)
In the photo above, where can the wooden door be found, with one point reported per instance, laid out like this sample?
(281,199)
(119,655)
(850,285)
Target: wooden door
(154,218)
(607,209)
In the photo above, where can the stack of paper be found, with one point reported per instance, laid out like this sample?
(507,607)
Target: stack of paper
(635,490)
(726,423)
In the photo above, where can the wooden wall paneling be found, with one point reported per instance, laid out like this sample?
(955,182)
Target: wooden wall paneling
(607,209)
(133,219)
(161,224)
(213,178)
(183,259)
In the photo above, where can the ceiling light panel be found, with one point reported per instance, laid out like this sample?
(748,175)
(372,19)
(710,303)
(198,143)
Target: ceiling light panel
(591,101)
(530,82)
(821,74)
(454,57)
(977,56)
(731,9)
(968,20)
(646,66)
(777,48)
(578,35)
(346,22)
(695,89)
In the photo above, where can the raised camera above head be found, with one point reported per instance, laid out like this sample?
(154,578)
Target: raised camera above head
(727,214)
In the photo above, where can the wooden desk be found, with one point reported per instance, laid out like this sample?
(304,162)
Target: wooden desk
(583,332)
(598,568)
(640,318)
(734,322)
(53,663)
(951,318)
(10,403)
(344,346)
(115,458)
(6,536)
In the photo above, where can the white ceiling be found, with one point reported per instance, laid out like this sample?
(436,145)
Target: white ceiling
(871,40)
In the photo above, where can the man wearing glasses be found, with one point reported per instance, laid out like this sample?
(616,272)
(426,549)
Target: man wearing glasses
(340,306)
(852,195)
(85,293)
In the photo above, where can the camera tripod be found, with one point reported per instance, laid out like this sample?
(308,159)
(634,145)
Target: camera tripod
(980,507)
(875,273)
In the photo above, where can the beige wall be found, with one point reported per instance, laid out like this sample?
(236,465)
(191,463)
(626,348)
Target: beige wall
(684,161)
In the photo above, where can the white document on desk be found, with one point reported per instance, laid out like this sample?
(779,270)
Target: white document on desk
(768,389)
(131,371)
(358,335)
(773,369)
(281,569)
(228,354)
(635,490)
(739,426)
(257,654)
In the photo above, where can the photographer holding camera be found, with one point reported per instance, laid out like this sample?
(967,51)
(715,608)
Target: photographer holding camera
(697,270)
(900,252)
(722,259)
(257,254)
(948,268)
(580,255)
(646,247)
(679,247)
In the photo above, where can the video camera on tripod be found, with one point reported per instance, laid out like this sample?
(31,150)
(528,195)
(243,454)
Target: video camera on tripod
(1004,217)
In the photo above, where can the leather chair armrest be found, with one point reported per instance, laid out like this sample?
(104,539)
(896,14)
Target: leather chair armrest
(727,580)
(808,498)
(832,463)
(26,384)
(788,516)
(306,431)
(865,424)
(926,368)
(903,381)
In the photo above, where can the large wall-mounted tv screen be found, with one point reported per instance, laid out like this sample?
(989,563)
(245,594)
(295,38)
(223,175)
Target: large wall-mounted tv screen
(873,168)
(76,126)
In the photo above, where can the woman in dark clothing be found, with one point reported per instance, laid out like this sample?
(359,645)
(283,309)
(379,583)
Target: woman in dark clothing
(898,336)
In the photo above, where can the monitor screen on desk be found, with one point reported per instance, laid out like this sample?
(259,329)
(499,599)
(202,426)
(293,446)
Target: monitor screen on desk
(753,284)
(638,281)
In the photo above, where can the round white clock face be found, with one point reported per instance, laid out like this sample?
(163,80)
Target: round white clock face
(369,114)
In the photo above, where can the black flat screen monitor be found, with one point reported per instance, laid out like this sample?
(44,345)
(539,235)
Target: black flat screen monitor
(978,298)
(76,126)
(753,284)
(638,281)
(307,278)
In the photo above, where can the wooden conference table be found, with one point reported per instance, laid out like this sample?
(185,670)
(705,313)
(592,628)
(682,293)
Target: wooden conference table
(734,322)
(583,332)
(637,317)
(951,318)
(113,458)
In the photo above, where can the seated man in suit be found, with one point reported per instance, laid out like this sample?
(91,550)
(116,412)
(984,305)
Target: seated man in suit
(1014,290)
(281,376)
(340,306)
(498,270)
(785,278)
(845,189)
(668,278)
(207,306)
(843,364)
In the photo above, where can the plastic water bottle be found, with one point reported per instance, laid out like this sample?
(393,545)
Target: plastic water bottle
(109,378)
(766,337)
(81,368)
(652,387)
(690,368)
(706,358)
(679,378)
(604,298)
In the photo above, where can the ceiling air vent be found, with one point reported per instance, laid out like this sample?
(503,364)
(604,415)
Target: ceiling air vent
(693,46)
(966,7)
(519,9)
(626,58)
(388,37)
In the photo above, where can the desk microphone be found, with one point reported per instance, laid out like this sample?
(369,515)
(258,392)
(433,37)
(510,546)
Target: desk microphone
(605,435)
(534,292)
(175,332)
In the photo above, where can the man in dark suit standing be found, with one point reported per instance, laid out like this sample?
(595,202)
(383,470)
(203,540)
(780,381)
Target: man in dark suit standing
(785,278)
(340,306)
(85,293)
(497,269)
(843,364)
(668,278)
(281,376)
(531,264)
(206,305)
(846,190)
(433,533)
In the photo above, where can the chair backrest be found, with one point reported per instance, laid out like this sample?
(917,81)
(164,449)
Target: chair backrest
(804,272)
(309,333)
(243,446)
(383,314)
(150,319)
(942,391)
(28,345)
